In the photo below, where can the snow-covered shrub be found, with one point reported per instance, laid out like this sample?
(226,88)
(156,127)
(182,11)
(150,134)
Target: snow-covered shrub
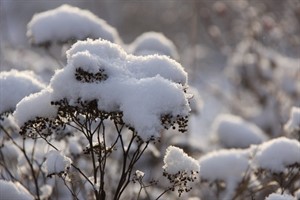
(15,85)
(103,86)
(67,23)
(234,132)
(180,169)
(150,43)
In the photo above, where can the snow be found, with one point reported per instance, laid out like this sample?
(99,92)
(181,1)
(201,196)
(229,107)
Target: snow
(68,23)
(294,121)
(56,163)
(176,160)
(15,85)
(234,132)
(143,88)
(275,196)
(277,154)
(13,191)
(229,166)
(35,105)
(150,43)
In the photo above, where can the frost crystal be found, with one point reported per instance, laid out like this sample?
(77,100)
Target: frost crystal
(277,154)
(68,23)
(15,85)
(56,163)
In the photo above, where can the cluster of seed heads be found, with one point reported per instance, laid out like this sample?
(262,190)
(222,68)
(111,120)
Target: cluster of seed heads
(42,126)
(87,77)
(180,180)
(170,121)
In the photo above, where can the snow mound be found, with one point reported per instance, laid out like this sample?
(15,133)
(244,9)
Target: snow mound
(150,43)
(294,121)
(277,154)
(275,196)
(56,163)
(143,88)
(234,132)
(176,160)
(226,165)
(13,191)
(15,85)
(69,23)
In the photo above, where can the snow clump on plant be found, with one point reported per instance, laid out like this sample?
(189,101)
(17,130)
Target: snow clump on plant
(234,132)
(56,163)
(180,169)
(277,154)
(229,166)
(150,43)
(147,92)
(15,85)
(67,23)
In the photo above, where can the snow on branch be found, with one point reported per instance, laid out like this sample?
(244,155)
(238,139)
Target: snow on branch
(68,23)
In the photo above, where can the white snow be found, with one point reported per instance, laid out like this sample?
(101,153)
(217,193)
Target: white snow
(229,166)
(176,160)
(275,196)
(15,85)
(150,43)
(226,165)
(56,162)
(13,191)
(277,154)
(143,88)
(35,105)
(234,132)
(294,121)
(68,23)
